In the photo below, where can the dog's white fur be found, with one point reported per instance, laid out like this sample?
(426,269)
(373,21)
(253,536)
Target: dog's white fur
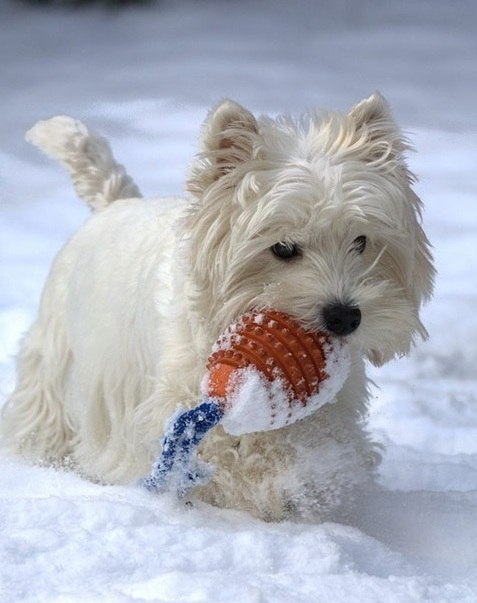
(137,297)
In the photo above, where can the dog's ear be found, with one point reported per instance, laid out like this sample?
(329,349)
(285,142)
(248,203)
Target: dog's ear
(228,140)
(375,125)
(382,142)
(375,108)
(229,126)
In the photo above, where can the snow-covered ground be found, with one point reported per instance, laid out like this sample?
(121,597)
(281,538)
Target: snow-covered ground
(145,78)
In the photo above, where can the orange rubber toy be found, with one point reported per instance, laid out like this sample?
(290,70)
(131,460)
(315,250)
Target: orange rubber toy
(277,346)
(265,372)
(293,366)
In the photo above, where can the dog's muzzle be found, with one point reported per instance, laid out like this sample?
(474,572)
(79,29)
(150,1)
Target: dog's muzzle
(341,319)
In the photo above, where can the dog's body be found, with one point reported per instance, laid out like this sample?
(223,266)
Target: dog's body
(315,218)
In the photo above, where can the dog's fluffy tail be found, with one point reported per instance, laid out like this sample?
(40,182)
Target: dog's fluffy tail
(97,177)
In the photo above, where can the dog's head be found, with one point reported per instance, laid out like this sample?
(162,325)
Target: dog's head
(315,217)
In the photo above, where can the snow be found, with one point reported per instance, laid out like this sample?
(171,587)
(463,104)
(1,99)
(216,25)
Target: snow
(255,404)
(145,78)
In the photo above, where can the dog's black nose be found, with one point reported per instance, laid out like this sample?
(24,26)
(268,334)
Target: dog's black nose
(341,319)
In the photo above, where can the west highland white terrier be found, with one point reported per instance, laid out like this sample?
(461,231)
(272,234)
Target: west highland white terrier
(314,217)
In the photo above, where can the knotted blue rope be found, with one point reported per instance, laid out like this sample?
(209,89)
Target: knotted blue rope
(177,467)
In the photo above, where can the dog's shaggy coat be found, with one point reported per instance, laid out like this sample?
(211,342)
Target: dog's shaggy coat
(137,297)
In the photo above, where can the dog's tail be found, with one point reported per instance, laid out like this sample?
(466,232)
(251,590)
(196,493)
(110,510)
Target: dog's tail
(97,177)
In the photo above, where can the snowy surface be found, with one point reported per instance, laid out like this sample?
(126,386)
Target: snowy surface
(145,79)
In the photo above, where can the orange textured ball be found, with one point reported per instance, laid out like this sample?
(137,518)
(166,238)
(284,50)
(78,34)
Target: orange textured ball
(277,346)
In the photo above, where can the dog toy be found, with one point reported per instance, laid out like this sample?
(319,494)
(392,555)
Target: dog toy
(265,372)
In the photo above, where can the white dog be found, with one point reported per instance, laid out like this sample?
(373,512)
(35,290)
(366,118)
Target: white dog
(314,217)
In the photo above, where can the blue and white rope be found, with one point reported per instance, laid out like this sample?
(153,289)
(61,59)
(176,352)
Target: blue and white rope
(177,466)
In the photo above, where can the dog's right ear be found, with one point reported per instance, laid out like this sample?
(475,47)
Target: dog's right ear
(229,136)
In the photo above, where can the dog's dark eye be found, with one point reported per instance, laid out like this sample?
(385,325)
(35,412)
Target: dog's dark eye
(359,244)
(285,251)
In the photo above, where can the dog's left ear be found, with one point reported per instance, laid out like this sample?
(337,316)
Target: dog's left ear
(382,140)
(228,140)
(376,126)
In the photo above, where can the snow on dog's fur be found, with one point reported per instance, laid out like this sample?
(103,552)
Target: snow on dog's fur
(315,217)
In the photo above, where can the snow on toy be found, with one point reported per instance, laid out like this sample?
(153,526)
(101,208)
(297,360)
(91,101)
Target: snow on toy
(265,372)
